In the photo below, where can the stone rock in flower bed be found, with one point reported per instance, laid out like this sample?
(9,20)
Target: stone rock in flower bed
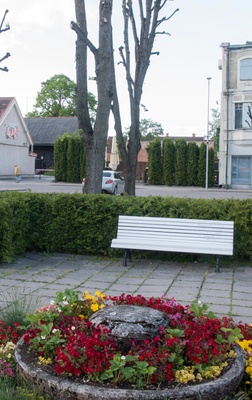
(130,322)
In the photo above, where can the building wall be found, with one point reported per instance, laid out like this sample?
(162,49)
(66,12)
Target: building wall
(235,150)
(15,146)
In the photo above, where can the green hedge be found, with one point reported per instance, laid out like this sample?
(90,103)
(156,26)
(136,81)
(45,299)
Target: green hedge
(86,224)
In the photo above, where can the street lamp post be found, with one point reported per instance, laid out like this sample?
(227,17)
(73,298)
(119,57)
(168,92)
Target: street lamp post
(207,136)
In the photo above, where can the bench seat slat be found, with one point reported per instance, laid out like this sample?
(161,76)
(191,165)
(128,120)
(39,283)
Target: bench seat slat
(197,236)
(173,246)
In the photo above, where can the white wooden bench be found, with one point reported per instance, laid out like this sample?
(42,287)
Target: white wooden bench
(197,236)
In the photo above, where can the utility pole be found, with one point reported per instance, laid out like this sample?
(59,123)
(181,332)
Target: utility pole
(207,136)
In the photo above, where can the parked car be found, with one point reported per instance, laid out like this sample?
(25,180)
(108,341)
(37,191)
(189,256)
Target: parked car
(112,182)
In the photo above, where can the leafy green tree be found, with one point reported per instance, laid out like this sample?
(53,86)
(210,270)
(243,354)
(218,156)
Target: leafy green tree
(180,162)
(168,161)
(149,129)
(155,176)
(57,98)
(192,164)
(214,129)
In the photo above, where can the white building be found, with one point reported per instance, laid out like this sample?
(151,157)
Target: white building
(235,145)
(16,146)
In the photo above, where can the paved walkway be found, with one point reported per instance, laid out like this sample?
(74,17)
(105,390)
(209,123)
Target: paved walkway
(41,276)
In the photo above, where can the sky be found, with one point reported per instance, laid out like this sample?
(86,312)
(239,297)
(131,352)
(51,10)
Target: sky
(176,93)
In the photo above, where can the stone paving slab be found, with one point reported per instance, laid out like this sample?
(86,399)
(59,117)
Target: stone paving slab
(41,276)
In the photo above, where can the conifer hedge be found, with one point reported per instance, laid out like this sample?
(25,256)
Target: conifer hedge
(86,224)
(69,158)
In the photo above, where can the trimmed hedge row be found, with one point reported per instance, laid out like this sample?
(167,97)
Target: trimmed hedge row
(86,224)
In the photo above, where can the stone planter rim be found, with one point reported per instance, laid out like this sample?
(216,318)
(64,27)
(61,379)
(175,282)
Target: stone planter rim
(215,389)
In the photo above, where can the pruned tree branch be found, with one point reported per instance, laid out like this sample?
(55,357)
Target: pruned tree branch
(5,69)
(83,37)
(163,33)
(6,56)
(1,25)
(166,18)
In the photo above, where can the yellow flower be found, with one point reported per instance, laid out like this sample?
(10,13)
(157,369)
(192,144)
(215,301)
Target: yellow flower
(94,307)
(44,361)
(185,375)
(100,294)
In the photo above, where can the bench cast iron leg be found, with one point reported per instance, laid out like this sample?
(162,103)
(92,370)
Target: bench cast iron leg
(217,268)
(127,255)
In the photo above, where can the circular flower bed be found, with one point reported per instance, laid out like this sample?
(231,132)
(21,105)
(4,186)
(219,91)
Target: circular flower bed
(193,349)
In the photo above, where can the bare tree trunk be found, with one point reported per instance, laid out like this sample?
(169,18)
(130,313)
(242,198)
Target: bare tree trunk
(149,23)
(95,140)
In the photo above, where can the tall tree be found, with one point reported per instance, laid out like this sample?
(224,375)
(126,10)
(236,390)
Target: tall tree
(144,37)
(192,164)
(95,137)
(180,162)
(168,161)
(57,98)
(106,81)
(214,130)
(149,129)
(202,165)
(4,29)
(155,172)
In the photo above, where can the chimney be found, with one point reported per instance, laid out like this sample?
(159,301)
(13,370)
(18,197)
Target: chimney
(167,134)
(193,135)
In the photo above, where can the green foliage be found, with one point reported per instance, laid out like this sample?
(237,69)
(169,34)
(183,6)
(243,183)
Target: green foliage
(180,162)
(155,175)
(86,224)
(192,164)
(128,368)
(199,310)
(69,158)
(202,165)
(60,158)
(57,98)
(10,389)
(211,167)
(168,162)
(19,305)
(149,129)
(215,128)
(234,335)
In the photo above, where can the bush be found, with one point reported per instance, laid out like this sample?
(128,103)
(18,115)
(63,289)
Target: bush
(86,224)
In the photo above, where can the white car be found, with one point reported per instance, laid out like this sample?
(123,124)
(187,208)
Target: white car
(112,182)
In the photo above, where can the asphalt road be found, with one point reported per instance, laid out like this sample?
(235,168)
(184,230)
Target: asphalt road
(46,184)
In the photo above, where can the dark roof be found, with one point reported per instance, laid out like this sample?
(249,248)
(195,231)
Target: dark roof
(45,131)
(189,138)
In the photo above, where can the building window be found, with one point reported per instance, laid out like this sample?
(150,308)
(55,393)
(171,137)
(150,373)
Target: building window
(243,116)
(238,115)
(241,170)
(246,69)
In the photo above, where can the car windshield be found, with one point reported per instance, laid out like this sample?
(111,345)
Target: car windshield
(106,174)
